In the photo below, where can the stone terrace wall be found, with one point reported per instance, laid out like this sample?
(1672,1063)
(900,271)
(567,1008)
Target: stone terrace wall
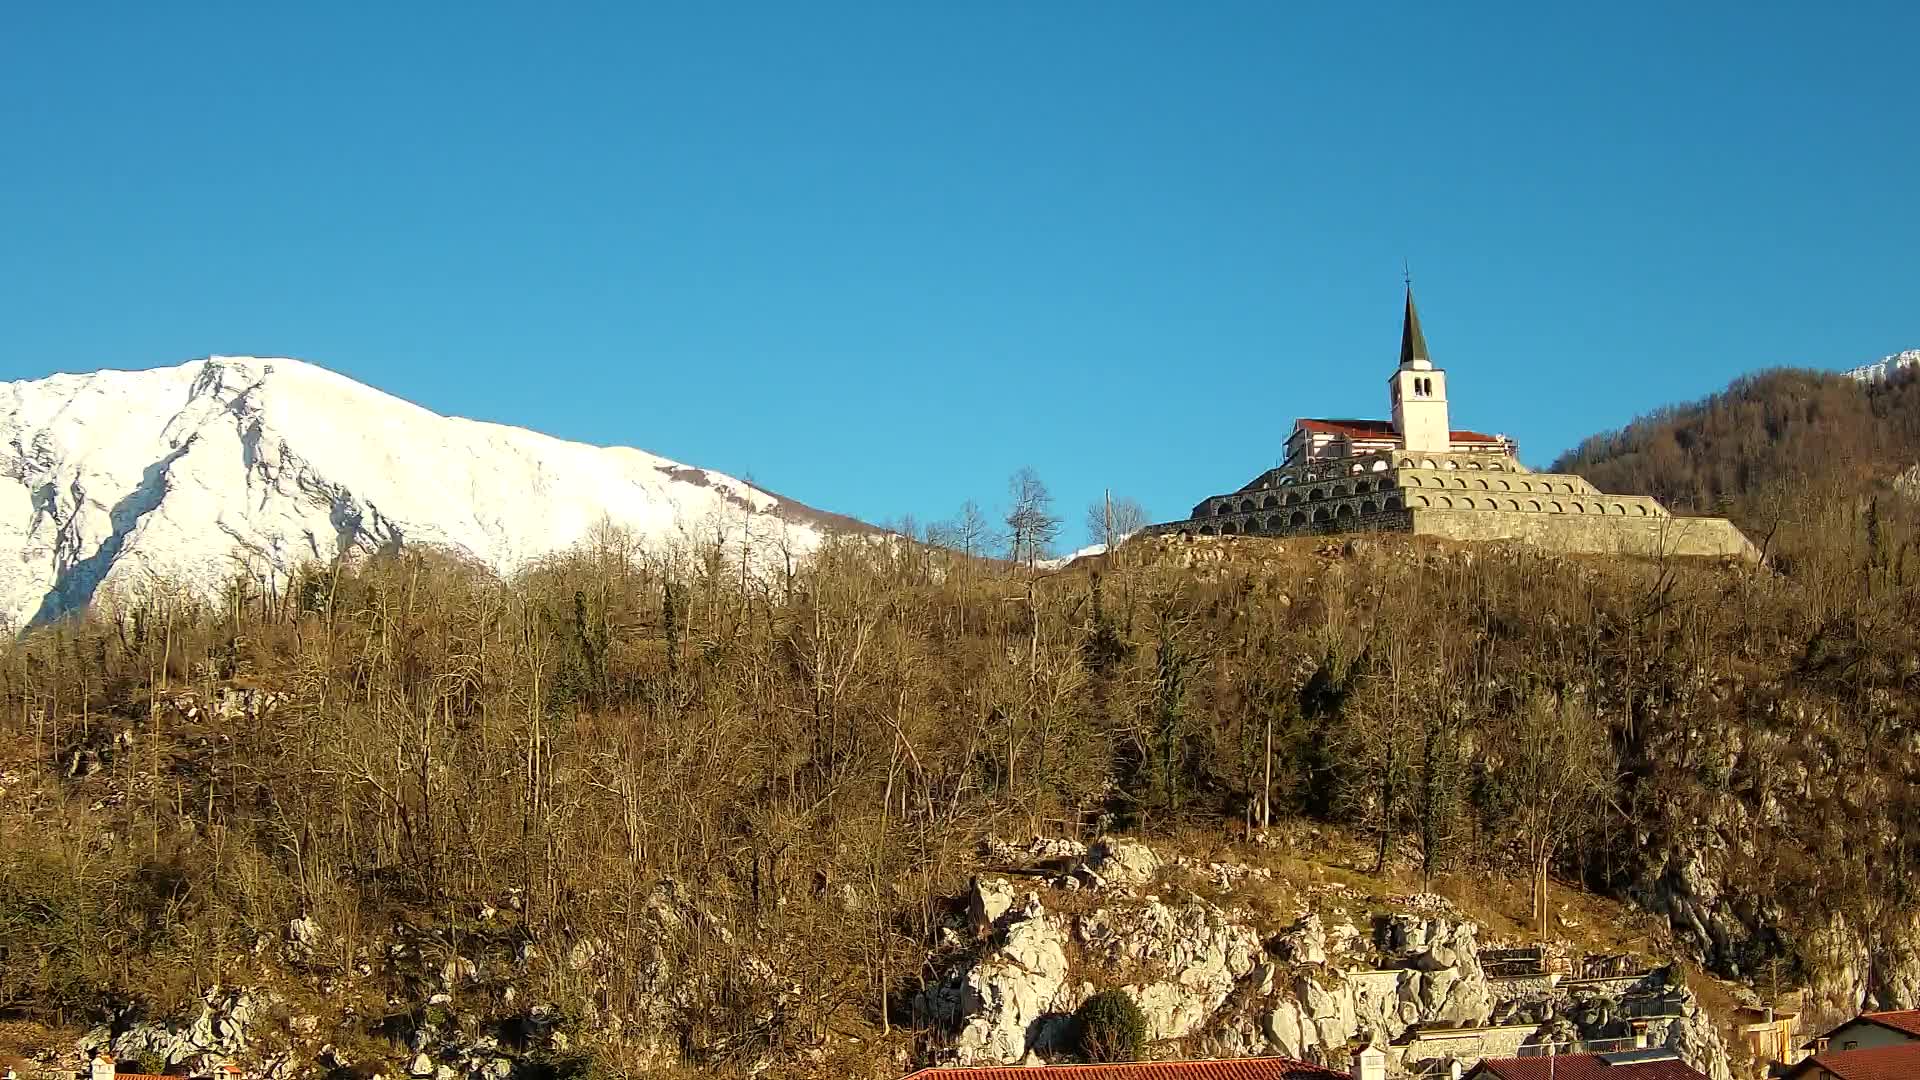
(1590,534)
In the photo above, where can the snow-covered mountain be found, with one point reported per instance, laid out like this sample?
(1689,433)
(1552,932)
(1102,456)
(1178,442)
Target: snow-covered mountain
(1885,366)
(190,473)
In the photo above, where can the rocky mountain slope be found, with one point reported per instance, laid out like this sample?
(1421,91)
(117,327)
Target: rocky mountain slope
(1886,366)
(191,474)
(1196,943)
(1248,950)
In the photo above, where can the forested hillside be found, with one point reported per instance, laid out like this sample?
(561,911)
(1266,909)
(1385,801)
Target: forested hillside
(1765,438)
(717,819)
(674,813)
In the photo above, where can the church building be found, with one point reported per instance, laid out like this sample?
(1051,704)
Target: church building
(1416,473)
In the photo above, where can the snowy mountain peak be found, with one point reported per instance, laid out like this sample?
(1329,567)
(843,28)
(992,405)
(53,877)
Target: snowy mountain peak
(230,464)
(1885,366)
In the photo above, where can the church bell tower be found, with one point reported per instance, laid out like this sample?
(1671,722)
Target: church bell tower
(1419,391)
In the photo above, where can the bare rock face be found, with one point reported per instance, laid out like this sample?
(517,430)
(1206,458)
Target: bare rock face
(1288,1030)
(988,901)
(1195,957)
(221,1028)
(995,1005)
(1195,954)
(1329,1014)
(1305,942)
(1696,1038)
(1446,983)
(1112,863)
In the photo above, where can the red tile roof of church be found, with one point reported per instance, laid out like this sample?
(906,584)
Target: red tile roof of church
(1270,1068)
(1377,429)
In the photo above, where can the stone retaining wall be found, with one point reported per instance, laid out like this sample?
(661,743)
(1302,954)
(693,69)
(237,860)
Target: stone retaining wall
(1592,535)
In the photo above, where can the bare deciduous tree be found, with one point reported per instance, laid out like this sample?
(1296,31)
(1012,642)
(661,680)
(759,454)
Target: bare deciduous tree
(1112,520)
(1559,764)
(1031,524)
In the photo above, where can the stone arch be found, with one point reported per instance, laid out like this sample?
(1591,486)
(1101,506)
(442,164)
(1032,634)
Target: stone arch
(1293,498)
(1246,506)
(1555,508)
(1392,503)
(1206,530)
(1411,481)
(1458,482)
(1617,509)
(1317,494)
(1427,463)
(1579,508)
(1222,508)
(1298,519)
(1320,516)
(1228,528)
(1512,505)
(1449,464)
(1357,467)
(1503,485)
(1415,500)
(1443,502)
(1344,510)
(1533,505)
(1369,508)
(1472,464)
(1566,488)
(1270,502)
(1466,503)
(1380,465)
(1285,479)
(1640,508)
(1496,466)
(1481,484)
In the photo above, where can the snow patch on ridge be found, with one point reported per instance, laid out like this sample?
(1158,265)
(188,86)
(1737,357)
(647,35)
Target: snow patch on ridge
(195,472)
(1879,370)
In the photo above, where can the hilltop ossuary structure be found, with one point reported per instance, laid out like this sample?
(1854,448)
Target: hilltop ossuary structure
(1415,473)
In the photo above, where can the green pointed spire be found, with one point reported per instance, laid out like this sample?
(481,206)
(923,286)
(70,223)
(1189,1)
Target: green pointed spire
(1413,343)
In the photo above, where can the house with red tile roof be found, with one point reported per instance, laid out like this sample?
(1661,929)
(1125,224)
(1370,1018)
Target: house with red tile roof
(104,1067)
(1268,1068)
(1657,1064)
(1895,1061)
(1872,1029)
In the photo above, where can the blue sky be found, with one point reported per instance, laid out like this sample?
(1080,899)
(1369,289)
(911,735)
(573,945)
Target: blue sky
(878,256)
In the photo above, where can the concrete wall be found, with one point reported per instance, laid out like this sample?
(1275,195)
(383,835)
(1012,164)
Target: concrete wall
(1428,1055)
(1591,534)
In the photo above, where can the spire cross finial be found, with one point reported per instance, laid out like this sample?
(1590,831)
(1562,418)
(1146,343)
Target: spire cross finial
(1406,271)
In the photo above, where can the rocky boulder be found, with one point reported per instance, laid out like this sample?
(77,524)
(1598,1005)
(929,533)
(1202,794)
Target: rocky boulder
(222,1027)
(993,1007)
(988,901)
(1193,956)
(1113,863)
(1305,942)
